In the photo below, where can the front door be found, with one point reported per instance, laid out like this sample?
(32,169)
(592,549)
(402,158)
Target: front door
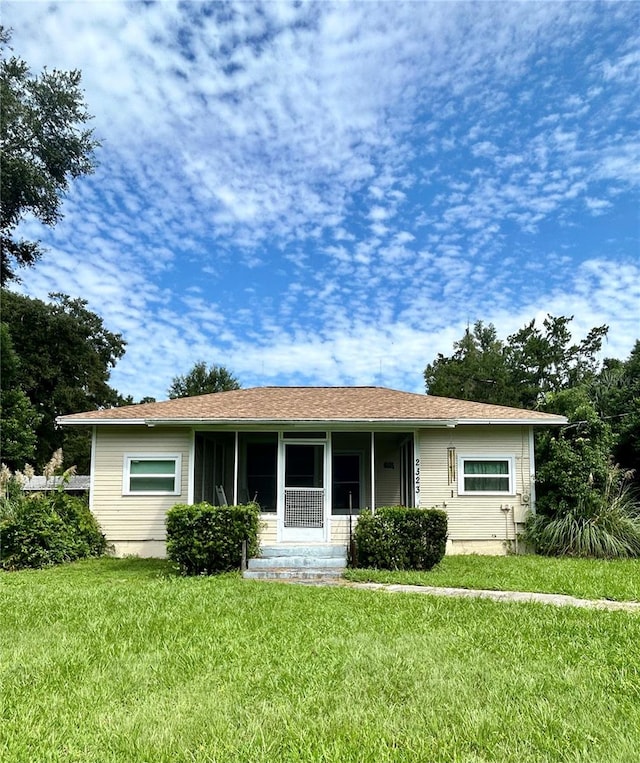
(304,493)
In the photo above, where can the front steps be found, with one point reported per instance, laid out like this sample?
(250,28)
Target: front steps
(298,562)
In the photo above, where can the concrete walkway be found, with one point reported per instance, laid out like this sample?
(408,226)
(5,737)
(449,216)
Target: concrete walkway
(555,599)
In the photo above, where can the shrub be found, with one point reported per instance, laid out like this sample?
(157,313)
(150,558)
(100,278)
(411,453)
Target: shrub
(398,538)
(604,525)
(45,529)
(203,539)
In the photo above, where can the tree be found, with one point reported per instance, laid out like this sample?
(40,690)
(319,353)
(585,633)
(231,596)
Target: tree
(545,361)
(616,395)
(574,461)
(44,144)
(19,417)
(200,381)
(532,363)
(65,359)
(477,370)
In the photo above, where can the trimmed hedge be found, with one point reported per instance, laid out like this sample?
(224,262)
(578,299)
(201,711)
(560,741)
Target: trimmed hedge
(45,529)
(203,539)
(399,538)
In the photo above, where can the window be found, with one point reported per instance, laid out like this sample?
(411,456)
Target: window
(486,474)
(155,474)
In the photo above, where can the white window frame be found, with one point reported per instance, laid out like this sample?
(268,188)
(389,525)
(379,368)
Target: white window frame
(509,458)
(177,473)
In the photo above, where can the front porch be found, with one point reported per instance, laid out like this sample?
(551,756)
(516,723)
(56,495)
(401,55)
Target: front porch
(310,484)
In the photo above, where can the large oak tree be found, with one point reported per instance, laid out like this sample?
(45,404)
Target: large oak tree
(64,359)
(44,143)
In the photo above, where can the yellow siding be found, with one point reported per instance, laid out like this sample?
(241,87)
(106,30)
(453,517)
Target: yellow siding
(387,480)
(340,529)
(128,517)
(268,529)
(477,518)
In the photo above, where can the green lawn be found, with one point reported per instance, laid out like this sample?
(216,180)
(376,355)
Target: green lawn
(119,660)
(618,580)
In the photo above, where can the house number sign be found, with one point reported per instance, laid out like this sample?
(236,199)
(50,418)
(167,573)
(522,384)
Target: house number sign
(417,478)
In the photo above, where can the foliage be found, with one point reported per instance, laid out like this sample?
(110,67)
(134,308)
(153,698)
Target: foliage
(65,356)
(603,523)
(44,144)
(401,538)
(203,539)
(18,416)
(44,528)
(477,369)
(616,396)
(546,362)
(200,381)
(573,462)
(521,371)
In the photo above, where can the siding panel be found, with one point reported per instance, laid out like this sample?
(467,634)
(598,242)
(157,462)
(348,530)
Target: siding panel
(474,517)
(134,518)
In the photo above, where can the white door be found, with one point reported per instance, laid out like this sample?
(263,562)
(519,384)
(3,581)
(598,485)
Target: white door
(304,493)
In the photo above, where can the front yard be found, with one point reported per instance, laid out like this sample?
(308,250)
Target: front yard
(120,660)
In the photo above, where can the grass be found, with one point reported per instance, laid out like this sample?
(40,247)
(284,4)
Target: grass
(618,580)
(120,660)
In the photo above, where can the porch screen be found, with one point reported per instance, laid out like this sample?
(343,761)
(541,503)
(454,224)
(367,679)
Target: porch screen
(303,507)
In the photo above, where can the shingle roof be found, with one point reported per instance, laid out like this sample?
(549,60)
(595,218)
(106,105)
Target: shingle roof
(313,404)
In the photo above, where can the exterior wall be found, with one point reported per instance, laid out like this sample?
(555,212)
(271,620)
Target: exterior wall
(135,524)
(268,530)
(477,524)
(340,529)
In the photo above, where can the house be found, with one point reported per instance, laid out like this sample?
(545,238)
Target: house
(311,457)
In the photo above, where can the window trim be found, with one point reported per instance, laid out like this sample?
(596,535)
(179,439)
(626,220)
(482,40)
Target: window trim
(509,458)
(177,473)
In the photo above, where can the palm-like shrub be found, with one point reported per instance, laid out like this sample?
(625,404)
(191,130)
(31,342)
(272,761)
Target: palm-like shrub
(603,524)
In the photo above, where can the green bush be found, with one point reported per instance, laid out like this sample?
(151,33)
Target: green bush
(398,538)
(203,539)
(45,529)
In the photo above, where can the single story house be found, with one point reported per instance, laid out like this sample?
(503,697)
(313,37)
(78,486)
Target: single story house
(313,458)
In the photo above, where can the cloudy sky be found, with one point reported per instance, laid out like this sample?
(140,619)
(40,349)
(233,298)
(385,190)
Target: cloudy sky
(328,193)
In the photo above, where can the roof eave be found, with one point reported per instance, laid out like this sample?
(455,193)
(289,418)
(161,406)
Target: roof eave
(63,421)
(553,421)
(296,423)
(305,423)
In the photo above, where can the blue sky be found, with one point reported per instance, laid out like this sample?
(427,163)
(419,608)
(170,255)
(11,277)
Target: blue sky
(328,193)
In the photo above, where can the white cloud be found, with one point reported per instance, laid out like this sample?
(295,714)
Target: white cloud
(329,192)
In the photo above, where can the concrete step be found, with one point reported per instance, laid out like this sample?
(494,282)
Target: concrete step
(301,549)
(293,573)
(324,562)
(295,561)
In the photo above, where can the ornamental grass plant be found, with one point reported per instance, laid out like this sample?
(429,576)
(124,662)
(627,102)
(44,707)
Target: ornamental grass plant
(602,525)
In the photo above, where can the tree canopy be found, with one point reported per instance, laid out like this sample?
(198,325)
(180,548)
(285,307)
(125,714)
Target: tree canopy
(63,360)
(531,363)
(201,380)
(19,417)
(44,143)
